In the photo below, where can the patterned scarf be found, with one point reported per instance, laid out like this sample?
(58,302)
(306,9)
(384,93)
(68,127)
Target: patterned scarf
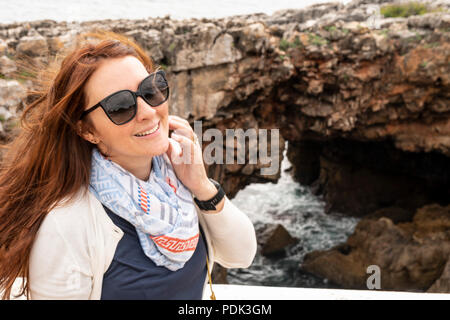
(161,209)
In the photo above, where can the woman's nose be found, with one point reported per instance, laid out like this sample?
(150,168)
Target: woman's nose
(144,110)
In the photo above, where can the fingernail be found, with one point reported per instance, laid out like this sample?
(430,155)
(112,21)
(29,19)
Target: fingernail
(175,136)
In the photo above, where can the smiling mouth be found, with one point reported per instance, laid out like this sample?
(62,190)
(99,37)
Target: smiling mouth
(148,132)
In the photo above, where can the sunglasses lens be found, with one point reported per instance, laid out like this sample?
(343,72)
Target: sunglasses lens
(121,107)
(155,89)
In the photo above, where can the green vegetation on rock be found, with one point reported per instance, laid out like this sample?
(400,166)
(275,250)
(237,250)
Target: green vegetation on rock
(404,10)
(285,44)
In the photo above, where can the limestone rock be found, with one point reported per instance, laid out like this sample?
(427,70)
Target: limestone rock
(33,46)
(442,284)
(274,239)
(411,255)
(3,47)
(219,275)
(11,93)
(7,66)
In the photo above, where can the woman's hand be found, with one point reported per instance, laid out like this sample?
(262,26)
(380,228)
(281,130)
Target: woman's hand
(188,165)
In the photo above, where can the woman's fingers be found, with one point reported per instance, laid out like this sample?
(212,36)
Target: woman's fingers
(179,122)
(177,118)
(190,154)
(174,147)
(187,145)
(184,132)
(175,151)
(183,140)
(185,136)
(181,126)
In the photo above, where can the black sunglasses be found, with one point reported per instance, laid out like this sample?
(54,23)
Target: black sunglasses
(121,106)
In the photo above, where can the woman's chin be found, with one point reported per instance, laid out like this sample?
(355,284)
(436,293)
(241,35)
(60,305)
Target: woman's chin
(161,148)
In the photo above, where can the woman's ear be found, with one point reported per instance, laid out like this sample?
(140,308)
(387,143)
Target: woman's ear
(84,131)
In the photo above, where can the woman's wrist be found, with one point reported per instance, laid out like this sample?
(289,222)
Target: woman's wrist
(206,191)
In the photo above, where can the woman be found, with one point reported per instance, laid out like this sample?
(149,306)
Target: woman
(95,202)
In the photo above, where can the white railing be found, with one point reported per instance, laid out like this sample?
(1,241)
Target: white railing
(244,292)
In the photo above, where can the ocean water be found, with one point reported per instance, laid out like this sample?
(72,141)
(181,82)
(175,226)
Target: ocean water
(83,10)
(302,213)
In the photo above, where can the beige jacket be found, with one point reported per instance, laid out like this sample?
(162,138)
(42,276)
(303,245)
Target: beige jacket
(76,243)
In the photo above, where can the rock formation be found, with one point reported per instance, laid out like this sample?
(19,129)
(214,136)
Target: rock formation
(274,239)
(411,256)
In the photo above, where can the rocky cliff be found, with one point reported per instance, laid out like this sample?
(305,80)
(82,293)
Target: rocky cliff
(362,99)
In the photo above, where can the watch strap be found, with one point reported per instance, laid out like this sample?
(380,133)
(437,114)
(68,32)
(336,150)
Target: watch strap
(210,204)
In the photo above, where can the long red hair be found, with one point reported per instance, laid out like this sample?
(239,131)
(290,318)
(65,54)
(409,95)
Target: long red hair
(48,160)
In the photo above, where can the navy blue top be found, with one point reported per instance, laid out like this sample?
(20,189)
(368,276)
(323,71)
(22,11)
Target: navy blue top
(132,275)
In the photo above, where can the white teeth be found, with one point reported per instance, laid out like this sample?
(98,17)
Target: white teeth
(147,132)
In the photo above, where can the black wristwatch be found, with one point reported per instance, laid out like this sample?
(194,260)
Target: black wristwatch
(210,205)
